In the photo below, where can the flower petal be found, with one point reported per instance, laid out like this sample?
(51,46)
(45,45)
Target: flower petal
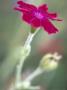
(20,9)
(49,27)
(25,6)
(28,17)
(53,16)
(36,22)
(43,7)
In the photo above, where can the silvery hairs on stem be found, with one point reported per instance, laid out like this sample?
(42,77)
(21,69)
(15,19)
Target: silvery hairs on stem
(48,62)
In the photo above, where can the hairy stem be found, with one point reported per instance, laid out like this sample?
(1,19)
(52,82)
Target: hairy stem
(25,53)
(36,73)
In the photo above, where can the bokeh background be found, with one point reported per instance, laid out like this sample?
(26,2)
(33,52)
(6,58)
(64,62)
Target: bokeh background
(13,33)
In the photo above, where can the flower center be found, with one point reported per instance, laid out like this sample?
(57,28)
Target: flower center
(38,15)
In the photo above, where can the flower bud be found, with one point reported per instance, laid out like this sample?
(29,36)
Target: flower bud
(50,61)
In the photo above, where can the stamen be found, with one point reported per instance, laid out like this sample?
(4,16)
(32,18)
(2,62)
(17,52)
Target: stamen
(38,15)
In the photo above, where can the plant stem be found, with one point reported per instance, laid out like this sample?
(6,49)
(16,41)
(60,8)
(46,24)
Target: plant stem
(25,53)
(36,73)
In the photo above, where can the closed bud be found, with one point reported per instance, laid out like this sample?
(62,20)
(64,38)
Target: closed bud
(50,61)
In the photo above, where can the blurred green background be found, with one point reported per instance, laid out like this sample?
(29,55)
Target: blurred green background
(13,33)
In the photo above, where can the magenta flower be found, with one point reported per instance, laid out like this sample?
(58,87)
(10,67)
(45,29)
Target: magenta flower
(38,16)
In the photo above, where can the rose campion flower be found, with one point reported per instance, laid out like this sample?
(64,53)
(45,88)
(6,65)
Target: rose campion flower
(38,16)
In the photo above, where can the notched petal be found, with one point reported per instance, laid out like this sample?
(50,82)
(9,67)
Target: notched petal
(52,15)
(26,6)
(49,27)
(43,7)
(18,9)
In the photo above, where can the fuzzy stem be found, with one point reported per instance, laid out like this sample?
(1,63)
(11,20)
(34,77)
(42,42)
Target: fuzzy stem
(25,54)
(36,73)
(27,82)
